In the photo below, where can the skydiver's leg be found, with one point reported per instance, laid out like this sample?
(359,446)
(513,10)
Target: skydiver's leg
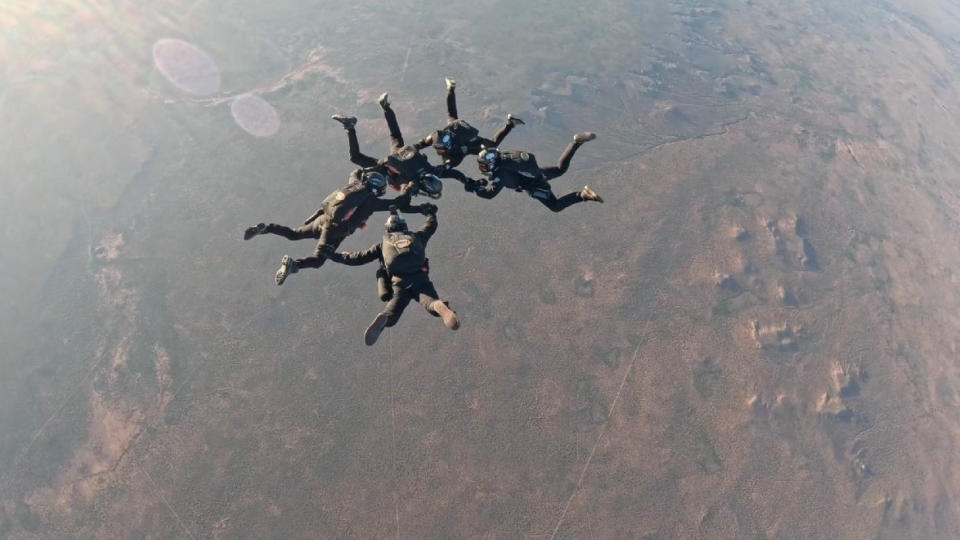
(430,300)
(486,143)
(501,134)
(356,156)
(396,305)
(349,124)
(556,205)
(508,126)
(317,260)
(396,138)
(564,162)
(306,231)
(544,194)
(426,294)
(389,316)
(451,102)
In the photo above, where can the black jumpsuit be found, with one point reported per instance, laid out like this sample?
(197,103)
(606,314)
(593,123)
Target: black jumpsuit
(461,149)
(414,286)
(396,147)
(525,175)
(333,234)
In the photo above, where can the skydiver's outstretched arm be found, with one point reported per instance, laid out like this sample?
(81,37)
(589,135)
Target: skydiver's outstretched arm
(446,171)
(428,228)
(402,201)
(424,142)
(354,258)
(487,190)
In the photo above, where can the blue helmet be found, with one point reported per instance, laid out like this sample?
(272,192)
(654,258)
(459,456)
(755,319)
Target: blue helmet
(488,160)
(443,140)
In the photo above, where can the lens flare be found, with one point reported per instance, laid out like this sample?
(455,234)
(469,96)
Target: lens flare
(255,115)
(186,66)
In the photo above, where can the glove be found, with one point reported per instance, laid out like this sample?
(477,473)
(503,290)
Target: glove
(428,209)
(472,185)
(327,249)
(408,188)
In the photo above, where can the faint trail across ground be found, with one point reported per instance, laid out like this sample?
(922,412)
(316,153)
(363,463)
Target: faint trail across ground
(603,430)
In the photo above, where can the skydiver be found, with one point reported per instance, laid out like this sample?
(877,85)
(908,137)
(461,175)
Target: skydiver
(340,215)
(405,163)
(403,255)
(458,139)
(519,171)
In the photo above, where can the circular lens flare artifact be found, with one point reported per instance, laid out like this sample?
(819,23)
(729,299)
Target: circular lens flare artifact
(186,66)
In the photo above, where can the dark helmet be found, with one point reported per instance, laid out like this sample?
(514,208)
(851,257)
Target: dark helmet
(431,185)
(375,182)
(395,222)
(488,160)
(443,140)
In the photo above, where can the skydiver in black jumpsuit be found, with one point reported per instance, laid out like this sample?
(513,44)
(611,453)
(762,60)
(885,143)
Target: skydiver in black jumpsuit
(326,228)
(519,171)
(403,255)
(405,163)
(458,139)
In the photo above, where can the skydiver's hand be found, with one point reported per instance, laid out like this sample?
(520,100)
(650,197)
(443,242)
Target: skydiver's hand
(327,250)
(408,188)
(472,185)
(428,209)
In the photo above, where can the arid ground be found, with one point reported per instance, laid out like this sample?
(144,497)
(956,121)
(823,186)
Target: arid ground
(754,337)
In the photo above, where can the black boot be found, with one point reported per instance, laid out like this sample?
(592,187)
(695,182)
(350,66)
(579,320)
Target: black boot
(348,122)
(259,228)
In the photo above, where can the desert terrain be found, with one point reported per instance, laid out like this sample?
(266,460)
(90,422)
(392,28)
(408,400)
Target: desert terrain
(754,337)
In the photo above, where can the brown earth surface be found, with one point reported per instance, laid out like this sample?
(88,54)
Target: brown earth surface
(754,337)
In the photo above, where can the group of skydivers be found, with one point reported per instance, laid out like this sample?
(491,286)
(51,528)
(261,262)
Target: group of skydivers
(404,269)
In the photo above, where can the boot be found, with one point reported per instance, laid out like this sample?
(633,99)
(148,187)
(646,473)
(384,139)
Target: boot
(584,136)
(382,100)
(449,316)
(514,121)
(287,266)
(348,122)
(375,328)
(259,228)
(451,84)
(588,194)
